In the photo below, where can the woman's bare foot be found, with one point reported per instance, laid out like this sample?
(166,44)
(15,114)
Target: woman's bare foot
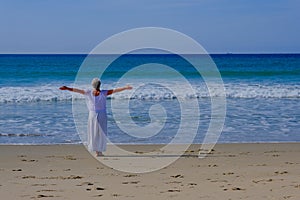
(98,154)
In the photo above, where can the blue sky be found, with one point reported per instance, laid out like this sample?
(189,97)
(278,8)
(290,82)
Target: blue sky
(65,26)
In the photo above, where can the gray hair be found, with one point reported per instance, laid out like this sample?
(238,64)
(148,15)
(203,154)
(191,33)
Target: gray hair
(96,83)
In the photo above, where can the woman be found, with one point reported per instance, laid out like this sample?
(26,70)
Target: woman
(97,122)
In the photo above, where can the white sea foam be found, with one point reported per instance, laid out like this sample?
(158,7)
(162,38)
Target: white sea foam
(33,94)
(263,91)
(53,94)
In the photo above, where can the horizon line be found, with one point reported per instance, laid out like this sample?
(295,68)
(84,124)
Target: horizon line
(140,53)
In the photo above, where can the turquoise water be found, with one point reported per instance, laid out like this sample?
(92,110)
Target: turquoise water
(262,90)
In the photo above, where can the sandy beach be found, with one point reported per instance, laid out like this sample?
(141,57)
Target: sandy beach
(230,171)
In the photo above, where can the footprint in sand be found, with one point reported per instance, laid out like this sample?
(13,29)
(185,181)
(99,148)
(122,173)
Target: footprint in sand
(289,163)
(69,157)
(99,195)
(130,175)
(228,173)
(32,160)
(138,152)
(47,190)
(263,180)
(17,170)
(100,168)
(237,188)
(131,182)
(191,185)
(278,172)
(24,159)
(177,176)
(174,182)
(206,150)
(261,165)
(297,186)
(42,196)
(26,177)
(99,188)
(95,188)
(245,153)
(50,157)
(90,184)
(221,181)
(54,177)
(38,184)
(85,183)
(173,190)
(230,155)
(213,165)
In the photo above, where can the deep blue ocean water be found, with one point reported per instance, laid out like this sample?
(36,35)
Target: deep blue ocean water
(262,94)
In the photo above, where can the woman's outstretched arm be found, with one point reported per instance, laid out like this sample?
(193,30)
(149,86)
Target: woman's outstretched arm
(72,89)
(127,87)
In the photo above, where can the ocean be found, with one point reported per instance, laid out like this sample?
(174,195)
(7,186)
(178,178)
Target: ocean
(262,98)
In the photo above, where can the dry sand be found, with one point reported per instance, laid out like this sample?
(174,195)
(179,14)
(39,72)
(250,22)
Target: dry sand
(230,171)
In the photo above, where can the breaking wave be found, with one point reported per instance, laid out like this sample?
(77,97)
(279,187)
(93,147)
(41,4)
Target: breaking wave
(53,94)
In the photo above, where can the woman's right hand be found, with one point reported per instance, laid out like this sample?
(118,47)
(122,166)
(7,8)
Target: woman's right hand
(128,87)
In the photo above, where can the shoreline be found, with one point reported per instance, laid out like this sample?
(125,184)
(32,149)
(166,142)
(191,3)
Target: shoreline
(230,171)
(161,144)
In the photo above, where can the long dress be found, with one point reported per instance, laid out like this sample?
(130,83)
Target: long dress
(97,121)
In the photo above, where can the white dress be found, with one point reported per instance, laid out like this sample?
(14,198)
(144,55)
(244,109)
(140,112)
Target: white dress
(97,122)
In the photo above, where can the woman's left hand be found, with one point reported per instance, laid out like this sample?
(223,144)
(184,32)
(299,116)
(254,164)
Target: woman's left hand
(63,88)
